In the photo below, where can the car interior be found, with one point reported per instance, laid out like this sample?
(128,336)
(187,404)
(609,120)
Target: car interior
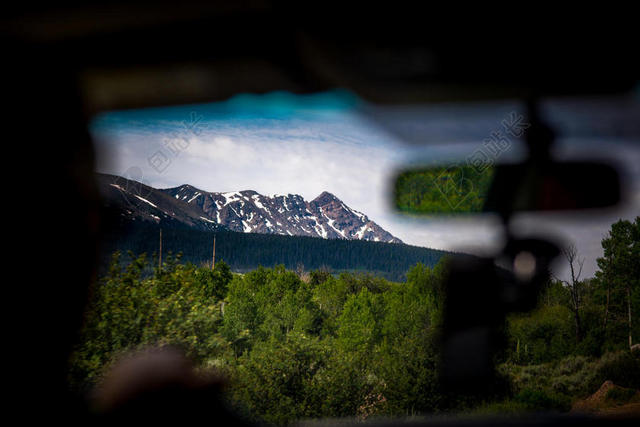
(515,150)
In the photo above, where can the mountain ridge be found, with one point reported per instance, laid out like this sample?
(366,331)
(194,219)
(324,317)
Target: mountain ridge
(246,211)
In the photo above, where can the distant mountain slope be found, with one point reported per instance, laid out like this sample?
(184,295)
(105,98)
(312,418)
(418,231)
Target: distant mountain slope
(246,251)
(244,211)
(134,201)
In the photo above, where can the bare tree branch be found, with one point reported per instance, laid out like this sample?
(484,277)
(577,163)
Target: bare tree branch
(570,253)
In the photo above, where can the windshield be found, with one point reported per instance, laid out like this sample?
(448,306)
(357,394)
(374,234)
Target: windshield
(258,238)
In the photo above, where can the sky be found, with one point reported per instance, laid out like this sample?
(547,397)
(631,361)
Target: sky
(290,144)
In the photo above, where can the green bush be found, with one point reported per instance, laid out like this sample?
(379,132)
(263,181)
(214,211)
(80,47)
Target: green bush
(620,394)
(622,368)
(541,336)
(540,400)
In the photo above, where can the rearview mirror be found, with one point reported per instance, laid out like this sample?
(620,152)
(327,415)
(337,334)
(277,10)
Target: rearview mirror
(455,189)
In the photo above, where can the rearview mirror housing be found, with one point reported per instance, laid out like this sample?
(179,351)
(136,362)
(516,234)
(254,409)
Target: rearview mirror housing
(505,188)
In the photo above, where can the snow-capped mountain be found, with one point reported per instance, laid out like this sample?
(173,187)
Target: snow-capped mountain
(247,211)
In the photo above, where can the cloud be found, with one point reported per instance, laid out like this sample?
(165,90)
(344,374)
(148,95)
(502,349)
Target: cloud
(217,150)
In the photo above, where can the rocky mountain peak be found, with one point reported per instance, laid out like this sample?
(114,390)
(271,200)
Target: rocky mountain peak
(247,211)
(324,198)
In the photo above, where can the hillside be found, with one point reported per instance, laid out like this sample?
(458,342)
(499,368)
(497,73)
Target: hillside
(245,251)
